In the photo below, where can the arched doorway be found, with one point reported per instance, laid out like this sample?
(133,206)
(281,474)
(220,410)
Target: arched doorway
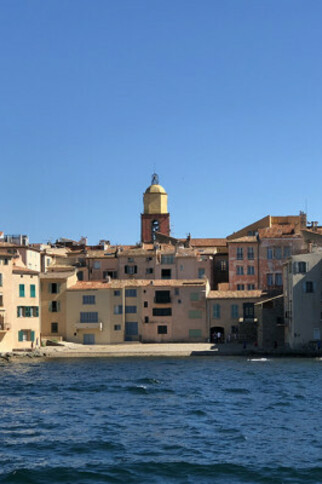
(217,334)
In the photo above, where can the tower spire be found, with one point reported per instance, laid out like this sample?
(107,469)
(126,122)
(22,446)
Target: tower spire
(155,179)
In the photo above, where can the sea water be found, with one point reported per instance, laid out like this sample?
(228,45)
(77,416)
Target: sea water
(153,420)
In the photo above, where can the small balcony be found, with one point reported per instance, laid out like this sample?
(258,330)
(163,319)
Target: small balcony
(98,325)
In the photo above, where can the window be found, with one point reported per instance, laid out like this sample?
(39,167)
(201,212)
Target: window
(162,297)
(287,252)
(54,306)
(117,293)
(167,259)
(278,252)
(130,292)
(316,334)
(130,259)
(131,329)
(21,290)
(118,309)
(240,287)
(240,270)
(26,335)
(80,275)
(146,319)
(88,299)
(250,287)
(194,333)
(216,311)
(1,280)
(131,270)
(97,264)
(54,328)
(6,262)
(176,291)
(201,272)
(162,329)
(278,279)
(117,327)
(181,267)
(145,304)
(89,317)
(166,274)
(195,314)
(32,290)
(240,255)
(269,252)
(250,270)
(223,265)
(130,309)
(111,274)
(234,311)
(302,267)
(249,310)
(53,288)
(162,311)
(250,253)
(269,280)
(194,296)
(308,286)
(27,311)
(149,270)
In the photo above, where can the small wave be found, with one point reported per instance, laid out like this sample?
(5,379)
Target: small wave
(155,472)
(237,390)
(149,381)
(258,359)
(137,389)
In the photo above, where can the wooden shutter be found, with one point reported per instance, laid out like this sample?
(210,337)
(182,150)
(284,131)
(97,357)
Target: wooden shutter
(20,335)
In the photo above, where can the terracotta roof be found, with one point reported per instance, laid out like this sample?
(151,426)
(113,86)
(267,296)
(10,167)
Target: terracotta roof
(23,270)
(286,230)
(208,242)
(118,284)
(56,275)
(101,254)
(236,294)
(246,238)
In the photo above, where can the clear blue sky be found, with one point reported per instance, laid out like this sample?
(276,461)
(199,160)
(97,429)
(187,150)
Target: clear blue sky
(222,98)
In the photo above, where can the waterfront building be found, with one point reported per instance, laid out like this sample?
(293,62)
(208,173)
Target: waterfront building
(53,302)
(232,315)
(302,300)
(114,311)
(19,301)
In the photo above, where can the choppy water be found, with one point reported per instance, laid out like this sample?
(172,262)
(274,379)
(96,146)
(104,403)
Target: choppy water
(161,420)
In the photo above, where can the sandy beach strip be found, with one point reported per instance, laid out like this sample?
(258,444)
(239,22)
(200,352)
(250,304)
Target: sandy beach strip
(72,350)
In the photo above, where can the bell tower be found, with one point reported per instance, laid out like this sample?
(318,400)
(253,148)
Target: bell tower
(155,217)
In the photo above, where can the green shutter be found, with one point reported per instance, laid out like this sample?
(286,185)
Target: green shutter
(21,290)
(36,311)
(20,335)
(32,290)
(32,336)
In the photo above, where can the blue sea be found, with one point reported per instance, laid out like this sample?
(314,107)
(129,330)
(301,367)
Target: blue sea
(161,420)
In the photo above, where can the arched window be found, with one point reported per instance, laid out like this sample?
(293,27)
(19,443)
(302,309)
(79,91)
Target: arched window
(155,226)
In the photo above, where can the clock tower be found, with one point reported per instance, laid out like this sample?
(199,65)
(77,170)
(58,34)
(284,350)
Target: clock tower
(155,217)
